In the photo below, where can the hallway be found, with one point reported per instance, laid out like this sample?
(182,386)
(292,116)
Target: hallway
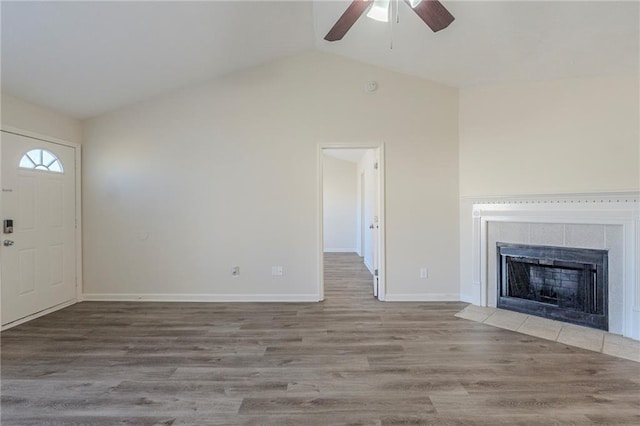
(347,281)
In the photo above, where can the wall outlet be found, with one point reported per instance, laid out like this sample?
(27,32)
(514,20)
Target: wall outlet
(424,273)
(277,271)
(235,271)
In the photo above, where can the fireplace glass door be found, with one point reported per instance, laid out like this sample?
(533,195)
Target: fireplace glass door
(567,284)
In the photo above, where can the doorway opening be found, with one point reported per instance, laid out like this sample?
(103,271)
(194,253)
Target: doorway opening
(351,211)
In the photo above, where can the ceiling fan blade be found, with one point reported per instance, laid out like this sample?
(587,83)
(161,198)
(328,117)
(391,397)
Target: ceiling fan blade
(433,13)
(348,18)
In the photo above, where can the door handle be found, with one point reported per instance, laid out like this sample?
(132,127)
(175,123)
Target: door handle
(371,226)
(8,243)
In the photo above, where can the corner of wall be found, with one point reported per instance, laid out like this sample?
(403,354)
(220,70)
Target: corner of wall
(20,114)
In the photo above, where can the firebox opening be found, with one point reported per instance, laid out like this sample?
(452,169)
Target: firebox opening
(561,283)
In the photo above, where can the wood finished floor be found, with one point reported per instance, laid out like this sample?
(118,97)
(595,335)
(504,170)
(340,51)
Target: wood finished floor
(348,360)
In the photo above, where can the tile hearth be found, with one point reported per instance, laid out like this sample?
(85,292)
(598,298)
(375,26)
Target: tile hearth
(569,334)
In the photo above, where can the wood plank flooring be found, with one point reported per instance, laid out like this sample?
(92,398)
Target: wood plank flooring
(349,360)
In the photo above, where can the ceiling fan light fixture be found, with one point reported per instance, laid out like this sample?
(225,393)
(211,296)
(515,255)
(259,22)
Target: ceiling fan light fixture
(379,11)
(432,13)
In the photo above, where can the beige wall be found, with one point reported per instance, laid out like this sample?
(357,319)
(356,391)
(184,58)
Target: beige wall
(179,190)
(20,114)
(340,204)
(550,137)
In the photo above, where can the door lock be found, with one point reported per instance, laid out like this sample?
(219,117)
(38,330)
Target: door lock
(8,226)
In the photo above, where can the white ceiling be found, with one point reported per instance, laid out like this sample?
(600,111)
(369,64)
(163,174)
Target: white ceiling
(497,41)
(86,58)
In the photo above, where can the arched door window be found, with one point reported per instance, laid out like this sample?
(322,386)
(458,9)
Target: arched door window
(41,159)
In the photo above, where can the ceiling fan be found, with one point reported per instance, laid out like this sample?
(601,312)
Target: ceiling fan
(432,12)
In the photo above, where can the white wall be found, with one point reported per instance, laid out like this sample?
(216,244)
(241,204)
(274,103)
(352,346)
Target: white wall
(20,114)
(554,137)
(340,204)
(181,189)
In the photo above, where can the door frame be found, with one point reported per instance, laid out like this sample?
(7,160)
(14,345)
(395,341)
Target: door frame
(382,288)
(78,213)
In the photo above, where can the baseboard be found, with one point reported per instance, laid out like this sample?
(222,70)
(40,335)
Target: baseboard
(340,250)
(175,297)
(369,267)
(466,298)
(39,314)
(423,297)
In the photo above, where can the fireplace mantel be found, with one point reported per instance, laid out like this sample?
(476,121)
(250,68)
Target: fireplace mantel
(565,212)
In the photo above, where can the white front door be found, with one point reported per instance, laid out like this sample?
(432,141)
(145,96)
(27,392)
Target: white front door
(38,262)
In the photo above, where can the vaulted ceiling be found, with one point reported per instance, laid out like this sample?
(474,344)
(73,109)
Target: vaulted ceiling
(86,58)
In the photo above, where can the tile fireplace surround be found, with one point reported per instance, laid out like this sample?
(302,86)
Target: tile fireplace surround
(608,221)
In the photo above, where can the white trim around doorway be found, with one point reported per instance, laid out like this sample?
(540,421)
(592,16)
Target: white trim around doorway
(381,209)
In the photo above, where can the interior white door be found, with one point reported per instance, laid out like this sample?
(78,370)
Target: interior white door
(376,226)
(38,262)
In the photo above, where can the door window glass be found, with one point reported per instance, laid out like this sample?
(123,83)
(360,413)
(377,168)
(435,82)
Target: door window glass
(41,159)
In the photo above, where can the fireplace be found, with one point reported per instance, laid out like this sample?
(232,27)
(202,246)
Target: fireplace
(560,283)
